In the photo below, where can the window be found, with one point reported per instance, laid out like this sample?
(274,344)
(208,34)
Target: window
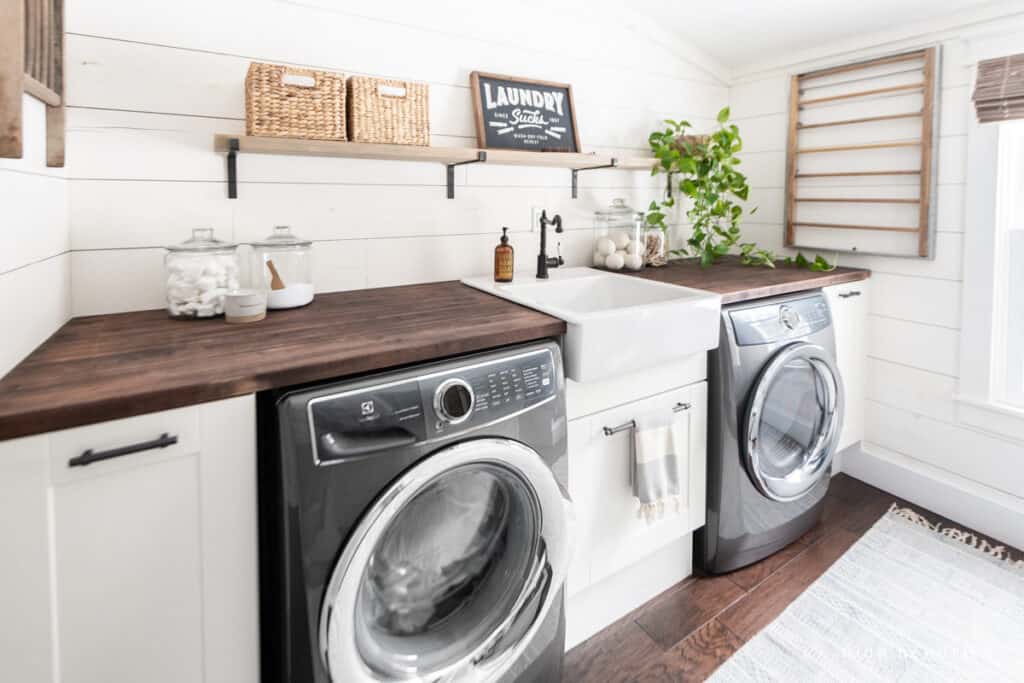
(1008,332)
(991,384)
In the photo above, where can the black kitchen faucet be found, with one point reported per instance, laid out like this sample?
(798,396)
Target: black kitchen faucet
(543,262)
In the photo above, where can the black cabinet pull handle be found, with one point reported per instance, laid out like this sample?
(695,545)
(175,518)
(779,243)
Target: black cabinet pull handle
(847,295)
(89,457)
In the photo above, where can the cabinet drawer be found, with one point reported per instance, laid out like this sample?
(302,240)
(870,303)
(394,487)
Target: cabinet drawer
(141,432)
(611,534)
(588,398)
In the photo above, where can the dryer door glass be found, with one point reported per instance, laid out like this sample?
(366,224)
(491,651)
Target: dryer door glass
(793,420)
(446,566)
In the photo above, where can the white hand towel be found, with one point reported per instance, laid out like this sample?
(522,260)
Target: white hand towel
(658,439)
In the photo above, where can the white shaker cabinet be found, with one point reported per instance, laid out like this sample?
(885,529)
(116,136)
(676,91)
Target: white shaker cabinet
(849,306)
(619,560)
(610,535)
(139,567)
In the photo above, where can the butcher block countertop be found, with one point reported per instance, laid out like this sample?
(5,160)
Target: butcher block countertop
(737,282)
(106,367)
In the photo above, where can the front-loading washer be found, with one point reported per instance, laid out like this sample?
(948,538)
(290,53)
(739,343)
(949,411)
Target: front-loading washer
(414,524)
(775,413)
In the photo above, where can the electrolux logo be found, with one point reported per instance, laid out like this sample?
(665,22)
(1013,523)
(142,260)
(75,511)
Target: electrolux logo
(367,407)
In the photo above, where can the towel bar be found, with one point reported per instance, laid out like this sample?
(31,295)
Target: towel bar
(608,431)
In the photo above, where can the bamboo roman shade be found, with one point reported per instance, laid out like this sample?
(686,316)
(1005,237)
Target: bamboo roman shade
(999,90)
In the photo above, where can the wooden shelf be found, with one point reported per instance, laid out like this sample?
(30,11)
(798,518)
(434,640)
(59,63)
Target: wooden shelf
(448,156)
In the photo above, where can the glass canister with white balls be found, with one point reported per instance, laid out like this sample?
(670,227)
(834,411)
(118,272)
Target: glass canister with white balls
(619,237)
(200,271)
(282,266)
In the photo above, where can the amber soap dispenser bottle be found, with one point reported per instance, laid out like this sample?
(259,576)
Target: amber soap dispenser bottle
(504,259)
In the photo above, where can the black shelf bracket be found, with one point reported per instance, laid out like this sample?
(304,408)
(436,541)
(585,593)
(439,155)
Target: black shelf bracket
(575,172)
(481,157)
(668,186)
(233,168)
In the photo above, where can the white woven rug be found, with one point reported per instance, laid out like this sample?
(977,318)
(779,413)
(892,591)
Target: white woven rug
(909,601)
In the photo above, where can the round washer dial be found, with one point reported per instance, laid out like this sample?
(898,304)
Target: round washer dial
(454,400)
(789,317)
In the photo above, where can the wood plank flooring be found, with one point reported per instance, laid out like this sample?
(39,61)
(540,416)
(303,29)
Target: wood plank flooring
(685,633)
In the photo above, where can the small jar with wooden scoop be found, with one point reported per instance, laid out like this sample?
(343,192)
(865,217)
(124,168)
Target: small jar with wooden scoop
(282,266)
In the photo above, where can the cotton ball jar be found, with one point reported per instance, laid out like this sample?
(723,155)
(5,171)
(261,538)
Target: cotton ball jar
(605,246)
(200,271)
(614,261)
(599,259)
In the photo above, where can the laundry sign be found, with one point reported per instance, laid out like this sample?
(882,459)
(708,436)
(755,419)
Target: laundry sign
(524,114)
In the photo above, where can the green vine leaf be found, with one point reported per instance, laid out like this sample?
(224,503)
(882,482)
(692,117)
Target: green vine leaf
(706,173)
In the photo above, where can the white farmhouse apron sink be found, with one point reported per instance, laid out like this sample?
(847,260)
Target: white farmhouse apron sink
(616,323)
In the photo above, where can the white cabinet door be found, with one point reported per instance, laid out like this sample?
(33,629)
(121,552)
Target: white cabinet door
(140,567)
(26,610)
(610,534)
(849,306)
(128,577)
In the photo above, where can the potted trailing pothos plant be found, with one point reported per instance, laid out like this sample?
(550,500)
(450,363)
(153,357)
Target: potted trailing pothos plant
(708,175)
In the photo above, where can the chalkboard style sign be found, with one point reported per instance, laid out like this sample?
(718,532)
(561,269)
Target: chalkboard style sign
(524,114)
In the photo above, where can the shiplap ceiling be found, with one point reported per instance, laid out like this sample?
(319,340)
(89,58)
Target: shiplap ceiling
(740,32)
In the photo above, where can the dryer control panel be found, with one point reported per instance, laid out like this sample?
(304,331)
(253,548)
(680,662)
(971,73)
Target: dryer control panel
(389,415)
(771,323)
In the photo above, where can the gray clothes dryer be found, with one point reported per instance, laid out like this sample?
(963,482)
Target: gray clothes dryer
(414,524)
(776,410)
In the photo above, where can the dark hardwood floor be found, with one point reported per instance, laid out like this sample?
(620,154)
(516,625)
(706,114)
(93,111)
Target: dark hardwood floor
(685,633)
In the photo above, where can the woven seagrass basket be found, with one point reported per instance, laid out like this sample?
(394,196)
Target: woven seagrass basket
(284,102)
(389,112)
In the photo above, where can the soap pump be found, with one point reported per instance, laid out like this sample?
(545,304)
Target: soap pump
(504,258)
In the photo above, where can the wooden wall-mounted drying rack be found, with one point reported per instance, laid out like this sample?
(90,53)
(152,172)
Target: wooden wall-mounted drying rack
(32,61)
(833,154)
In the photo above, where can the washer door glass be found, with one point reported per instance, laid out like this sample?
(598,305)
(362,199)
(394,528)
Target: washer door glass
(444,567)
(793,421)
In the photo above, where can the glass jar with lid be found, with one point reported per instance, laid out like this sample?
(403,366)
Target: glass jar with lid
(655,247)
(282,267)
(200,271)
(618,237)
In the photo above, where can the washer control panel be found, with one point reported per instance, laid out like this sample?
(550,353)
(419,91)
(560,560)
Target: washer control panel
(390,415)
(479,394)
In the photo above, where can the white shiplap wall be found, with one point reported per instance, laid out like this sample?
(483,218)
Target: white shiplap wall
(915,316)
(150,83)
(34,261)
